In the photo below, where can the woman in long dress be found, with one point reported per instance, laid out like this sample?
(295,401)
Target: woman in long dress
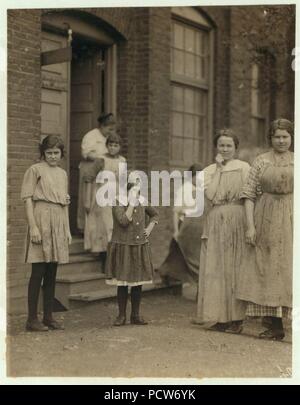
(223,238)
(266,273)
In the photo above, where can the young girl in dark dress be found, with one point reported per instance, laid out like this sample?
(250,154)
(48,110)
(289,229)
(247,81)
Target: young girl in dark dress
(128,258)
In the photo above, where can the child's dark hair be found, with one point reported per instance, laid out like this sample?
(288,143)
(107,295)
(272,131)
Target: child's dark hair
(106,119)
(229,133)
(113,138)
(51,141)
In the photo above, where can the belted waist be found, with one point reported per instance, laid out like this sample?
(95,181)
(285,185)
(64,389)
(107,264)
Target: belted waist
(237,202)
(48,203)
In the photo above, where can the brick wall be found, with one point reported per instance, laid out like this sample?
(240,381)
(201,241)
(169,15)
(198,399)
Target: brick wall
(159,118)
(220,18)
(23,108)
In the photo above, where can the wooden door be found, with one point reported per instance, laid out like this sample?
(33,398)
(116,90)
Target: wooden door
(54,94)
(87,102)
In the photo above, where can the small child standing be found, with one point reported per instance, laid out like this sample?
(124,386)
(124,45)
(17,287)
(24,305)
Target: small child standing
(99,222)
(129,258)
(45,193)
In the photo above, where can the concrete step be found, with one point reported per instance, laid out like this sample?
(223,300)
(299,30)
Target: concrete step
(77,300)
(69,284)
(77,245)
(80,264)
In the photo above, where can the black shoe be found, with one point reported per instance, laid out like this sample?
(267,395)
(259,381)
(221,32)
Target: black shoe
(272,334)
(36,326)
(52,324)
(219,327)
(236,327)
(136,320)
(120,321)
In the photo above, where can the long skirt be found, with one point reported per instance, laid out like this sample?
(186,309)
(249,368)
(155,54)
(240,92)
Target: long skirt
(222,249)
(51,220)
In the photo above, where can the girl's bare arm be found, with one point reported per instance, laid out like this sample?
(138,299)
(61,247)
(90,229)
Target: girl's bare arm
(34,232)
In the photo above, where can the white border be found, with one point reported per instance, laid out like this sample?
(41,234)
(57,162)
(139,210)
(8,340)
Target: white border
(25,4)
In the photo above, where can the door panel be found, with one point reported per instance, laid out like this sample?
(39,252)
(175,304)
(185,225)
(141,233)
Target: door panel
(54,94)
(86,96)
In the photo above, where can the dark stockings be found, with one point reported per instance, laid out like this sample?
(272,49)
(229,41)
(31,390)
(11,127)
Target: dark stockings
(122,295)
(136,296)
(46,273)
(102,257)
(277,324)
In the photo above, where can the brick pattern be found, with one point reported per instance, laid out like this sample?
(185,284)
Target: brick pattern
(159,118)
(23,109)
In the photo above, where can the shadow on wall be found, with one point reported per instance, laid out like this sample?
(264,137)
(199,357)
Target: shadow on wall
(249,153)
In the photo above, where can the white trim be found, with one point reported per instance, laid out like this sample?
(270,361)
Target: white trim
(192,15)
(114,281)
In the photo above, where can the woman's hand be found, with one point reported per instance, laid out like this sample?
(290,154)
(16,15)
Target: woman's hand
(68,200)
(69,237)
(219,160)
(35,235)
(87,208)
(251,236)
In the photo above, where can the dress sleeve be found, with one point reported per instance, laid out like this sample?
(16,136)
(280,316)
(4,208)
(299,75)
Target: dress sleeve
(152,213)
(251,185)
(88,145)
(30,180)
(208,174)
(119,213)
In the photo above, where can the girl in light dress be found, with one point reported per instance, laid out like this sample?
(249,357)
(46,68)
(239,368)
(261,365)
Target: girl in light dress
(45,194)
(99,222)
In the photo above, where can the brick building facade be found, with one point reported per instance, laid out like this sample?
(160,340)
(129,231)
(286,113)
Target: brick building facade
(159,69)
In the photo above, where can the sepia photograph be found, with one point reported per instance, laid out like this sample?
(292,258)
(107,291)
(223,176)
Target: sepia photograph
(149,191)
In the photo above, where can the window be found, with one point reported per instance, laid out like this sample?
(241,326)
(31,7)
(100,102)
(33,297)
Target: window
(258,118)
(191,85)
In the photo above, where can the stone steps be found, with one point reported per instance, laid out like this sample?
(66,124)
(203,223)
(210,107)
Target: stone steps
(80,299)
(81,281)
(80,264)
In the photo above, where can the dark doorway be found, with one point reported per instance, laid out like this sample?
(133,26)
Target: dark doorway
(87,102)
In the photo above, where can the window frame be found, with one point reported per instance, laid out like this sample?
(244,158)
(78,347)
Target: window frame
(259,116)
(185,82)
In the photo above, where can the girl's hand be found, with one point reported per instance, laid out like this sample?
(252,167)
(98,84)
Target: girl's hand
(133,196)
(68,199)
(147,232)
(219,160)
(69,236)
(251,236)
(35,235)
(87,209)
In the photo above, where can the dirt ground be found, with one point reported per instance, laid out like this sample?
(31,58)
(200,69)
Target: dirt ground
(170,346)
